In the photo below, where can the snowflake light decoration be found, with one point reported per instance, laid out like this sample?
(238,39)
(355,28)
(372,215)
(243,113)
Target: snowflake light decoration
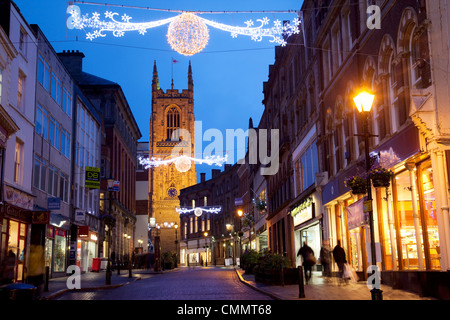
(198,211)
(182,163)
(187,33)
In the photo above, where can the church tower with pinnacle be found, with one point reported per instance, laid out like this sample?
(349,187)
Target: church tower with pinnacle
(171,135)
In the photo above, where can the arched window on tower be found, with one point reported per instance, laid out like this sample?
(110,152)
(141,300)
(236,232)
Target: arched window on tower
(172,124)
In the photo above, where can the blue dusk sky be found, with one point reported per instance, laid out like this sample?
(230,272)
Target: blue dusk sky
(228,74)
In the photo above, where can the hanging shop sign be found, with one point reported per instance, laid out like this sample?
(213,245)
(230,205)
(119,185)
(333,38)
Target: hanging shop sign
(303,212)
(356,216)
(92,178)
(80,215)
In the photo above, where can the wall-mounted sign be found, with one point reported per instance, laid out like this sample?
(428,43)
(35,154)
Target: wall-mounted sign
(83,231)
(115,187)
(54,203)
(92,179)
(303,212)
(40,217)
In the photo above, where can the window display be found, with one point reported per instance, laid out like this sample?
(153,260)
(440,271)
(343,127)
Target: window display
(59,251)
(405,216)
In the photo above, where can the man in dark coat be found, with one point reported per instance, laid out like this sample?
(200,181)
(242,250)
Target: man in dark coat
(339,257)
(308,260)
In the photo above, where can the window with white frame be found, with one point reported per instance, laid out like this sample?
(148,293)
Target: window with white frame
(18,162)
(43,73)
(64,187)
(23,42)
(40,173)
(42,121)
(20,90)
(53,181)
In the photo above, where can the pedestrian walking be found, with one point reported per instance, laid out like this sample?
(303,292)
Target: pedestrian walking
(325,258)
(339,258)
(308,260)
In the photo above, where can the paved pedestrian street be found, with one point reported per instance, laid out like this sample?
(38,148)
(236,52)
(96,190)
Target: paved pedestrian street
(213,283)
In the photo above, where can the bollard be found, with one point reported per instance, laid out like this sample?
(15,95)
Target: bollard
(47,275)
(301,286)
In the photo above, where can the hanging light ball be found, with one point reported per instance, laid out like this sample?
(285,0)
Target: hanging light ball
(187,34)
(182,164)
(198,212)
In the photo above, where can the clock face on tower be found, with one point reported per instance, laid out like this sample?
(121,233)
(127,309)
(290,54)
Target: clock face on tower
(172,192)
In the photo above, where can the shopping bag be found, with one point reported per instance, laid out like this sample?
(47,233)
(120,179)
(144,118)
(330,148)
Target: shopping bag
(350,273)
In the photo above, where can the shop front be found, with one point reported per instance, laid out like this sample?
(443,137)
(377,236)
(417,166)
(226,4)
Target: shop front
(56,245)
(14,241)
(86,248)
(307,227)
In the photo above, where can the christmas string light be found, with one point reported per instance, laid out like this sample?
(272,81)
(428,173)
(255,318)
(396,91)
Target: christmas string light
(182,163)
(198,211)
(187,33)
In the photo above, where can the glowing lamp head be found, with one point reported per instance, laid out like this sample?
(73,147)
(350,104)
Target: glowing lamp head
(188,34)
(240,213)
(364,101)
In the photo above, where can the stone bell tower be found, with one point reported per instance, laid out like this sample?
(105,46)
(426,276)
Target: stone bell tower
(171,134)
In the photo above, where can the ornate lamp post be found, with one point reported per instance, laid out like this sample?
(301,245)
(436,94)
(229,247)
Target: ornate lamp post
(364,101)
(176,245)
(240,213)
(206,248)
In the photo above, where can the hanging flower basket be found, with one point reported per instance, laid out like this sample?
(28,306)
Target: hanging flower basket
(260,205)
(381,177)
(357,184)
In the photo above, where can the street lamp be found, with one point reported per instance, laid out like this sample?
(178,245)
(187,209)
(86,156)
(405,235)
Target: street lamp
(240,213)
(364,101)
(176,245)
(109,223)
(206,248)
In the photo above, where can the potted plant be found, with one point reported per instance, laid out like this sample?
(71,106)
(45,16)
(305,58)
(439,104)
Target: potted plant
(380,176)
(357,183)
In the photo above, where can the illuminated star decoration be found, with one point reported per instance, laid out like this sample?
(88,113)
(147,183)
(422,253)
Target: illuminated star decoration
(187,33)
(182,163)
(198,211)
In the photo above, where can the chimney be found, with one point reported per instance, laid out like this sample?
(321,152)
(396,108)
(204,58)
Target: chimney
(73,60)
(215,172)
(202,177)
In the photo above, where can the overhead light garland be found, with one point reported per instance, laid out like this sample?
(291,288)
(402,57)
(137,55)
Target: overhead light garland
(182,163)
(198,211)
(187,33)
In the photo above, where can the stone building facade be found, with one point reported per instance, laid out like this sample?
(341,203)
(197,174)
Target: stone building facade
(171,135)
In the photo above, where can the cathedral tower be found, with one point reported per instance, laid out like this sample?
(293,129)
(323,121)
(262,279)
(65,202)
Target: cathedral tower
(171,134)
